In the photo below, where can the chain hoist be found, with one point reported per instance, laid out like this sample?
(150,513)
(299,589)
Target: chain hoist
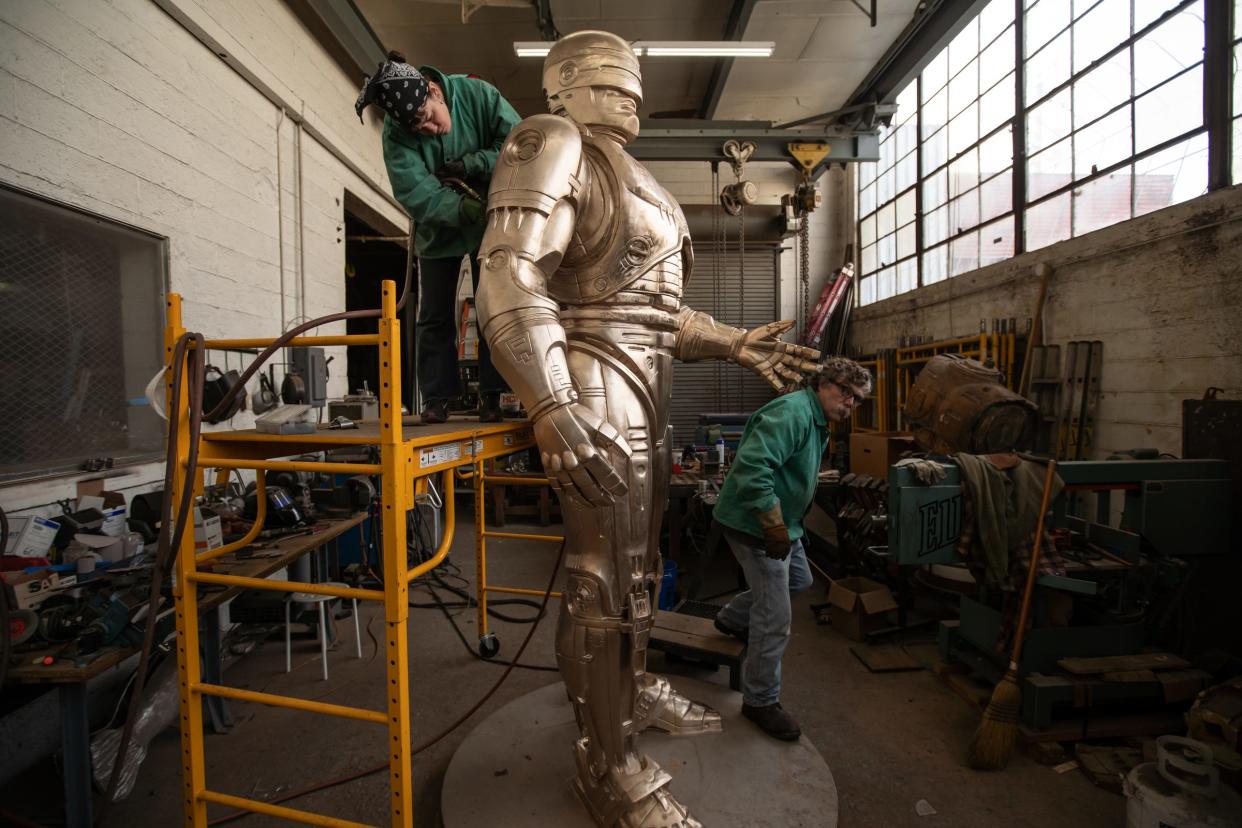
(804,271)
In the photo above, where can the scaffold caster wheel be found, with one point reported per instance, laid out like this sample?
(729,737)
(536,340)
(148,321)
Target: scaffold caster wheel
(489,645)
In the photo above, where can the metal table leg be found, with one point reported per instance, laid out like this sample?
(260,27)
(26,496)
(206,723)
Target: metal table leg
(213,672)
(75,741)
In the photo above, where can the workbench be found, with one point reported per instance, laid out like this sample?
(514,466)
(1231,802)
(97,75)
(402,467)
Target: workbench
(71,678)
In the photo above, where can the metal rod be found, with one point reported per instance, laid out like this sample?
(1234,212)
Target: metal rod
(286,586)
(523,536)
(260,494)
(520,591)
(291,703)
(450,529)
(298,465)
(254,806)
(340,339)
(480,550)
(516,481)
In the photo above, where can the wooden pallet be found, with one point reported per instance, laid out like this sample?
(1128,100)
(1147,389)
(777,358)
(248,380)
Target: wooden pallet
(698,639)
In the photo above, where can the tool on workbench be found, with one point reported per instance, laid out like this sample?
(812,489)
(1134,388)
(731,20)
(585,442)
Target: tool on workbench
(994,740)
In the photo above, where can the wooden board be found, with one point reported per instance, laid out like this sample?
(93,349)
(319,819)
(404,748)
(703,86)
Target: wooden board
(693,633)
(1106,727)
(1117,664)
(885,659)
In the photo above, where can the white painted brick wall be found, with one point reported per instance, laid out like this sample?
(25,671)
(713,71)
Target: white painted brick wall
(1161,291)
(117,108)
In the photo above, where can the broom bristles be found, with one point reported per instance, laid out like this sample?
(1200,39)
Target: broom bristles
(998,731)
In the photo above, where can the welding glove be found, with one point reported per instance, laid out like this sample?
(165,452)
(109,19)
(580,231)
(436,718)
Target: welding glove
(775,533)
(452,169)
(471,210)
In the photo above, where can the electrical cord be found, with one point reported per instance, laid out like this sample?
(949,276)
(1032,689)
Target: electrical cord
(433,740)
(6,632)
(466,643)
(170,534)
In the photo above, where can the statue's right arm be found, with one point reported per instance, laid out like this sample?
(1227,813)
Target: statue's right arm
(531,210)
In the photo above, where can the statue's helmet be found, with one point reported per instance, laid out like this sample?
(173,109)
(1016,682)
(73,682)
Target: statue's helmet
(590,59)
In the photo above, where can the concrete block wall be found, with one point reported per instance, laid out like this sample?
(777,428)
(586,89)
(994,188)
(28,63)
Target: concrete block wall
(1163,292)
(127,109)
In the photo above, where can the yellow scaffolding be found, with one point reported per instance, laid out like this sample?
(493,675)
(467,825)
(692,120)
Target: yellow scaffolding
(1000,349)
(481,533)
(872,416)
(407,456)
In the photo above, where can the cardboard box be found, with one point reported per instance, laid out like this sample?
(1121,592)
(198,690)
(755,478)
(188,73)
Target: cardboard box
(30,536)
(30,589)
(208,533)
(859,606)
(873,452)
(92,495)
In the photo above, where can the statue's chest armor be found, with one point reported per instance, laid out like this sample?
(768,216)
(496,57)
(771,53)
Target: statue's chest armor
(627,225)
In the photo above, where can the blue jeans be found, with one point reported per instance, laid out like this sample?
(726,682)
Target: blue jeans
(765,609)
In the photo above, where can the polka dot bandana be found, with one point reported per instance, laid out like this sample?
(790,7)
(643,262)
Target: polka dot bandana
(397,88)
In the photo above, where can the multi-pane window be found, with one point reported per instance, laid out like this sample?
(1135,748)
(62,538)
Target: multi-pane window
(1114,112)
(1236,108)
(1110,125)
(887,233)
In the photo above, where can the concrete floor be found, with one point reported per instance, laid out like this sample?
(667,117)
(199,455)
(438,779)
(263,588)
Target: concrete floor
(890,739)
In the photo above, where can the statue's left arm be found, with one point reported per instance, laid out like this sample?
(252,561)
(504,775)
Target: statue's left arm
(760,349)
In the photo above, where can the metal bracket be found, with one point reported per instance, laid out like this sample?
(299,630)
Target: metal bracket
(809,156)
(870,13)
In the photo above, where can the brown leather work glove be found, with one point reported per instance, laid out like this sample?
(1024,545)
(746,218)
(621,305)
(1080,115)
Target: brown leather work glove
(775,533)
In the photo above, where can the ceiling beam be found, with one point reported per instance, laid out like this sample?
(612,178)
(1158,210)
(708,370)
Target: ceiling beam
(735,29)
(665,140)
(351,32)
(925,35)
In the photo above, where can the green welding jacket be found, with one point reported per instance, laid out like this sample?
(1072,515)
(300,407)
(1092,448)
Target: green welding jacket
(777,461)
(481,119)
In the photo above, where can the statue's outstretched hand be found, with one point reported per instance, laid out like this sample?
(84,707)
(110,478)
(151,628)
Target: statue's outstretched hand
(573,441)
(782,364)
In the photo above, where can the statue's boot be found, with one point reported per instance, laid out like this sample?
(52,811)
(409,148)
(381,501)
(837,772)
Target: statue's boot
(660,707)
(638,798)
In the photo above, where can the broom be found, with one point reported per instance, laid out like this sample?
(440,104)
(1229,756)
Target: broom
(994,740)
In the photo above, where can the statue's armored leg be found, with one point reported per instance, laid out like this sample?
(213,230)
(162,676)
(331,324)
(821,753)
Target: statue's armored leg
(606,622)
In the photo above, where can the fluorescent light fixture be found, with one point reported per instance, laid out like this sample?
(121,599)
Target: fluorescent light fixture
(669,48)
(702,48)
(531,48)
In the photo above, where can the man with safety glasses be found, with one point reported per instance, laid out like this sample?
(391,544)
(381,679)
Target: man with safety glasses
(761,505)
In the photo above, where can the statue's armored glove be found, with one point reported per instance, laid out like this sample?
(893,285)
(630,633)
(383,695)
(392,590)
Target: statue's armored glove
(573,441)
(782,364)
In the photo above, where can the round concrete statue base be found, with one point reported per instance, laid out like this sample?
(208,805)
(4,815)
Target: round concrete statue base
(515,769)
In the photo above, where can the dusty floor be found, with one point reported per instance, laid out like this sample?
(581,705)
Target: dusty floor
(890,739)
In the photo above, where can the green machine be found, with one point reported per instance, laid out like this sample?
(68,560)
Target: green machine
(1148,520)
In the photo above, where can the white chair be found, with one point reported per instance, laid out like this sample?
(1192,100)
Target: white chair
(321,601)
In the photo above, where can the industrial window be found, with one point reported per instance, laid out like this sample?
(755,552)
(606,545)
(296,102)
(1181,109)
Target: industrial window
(1110,125)
(81,334)
(1236,62)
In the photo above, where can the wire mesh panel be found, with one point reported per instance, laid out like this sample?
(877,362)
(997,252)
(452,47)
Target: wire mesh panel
(81,317)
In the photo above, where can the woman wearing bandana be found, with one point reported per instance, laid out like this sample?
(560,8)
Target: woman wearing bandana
(441,136)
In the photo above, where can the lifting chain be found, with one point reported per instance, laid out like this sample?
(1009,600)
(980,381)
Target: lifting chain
(804,270)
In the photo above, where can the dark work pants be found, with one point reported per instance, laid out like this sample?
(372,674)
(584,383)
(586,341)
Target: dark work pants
(437,329)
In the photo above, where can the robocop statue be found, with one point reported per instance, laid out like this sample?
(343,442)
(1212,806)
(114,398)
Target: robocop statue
(583,264)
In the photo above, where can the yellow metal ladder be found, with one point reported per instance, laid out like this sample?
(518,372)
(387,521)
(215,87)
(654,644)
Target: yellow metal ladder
(403,461)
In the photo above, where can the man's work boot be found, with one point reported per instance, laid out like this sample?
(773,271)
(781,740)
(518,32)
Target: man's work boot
(489,408)
(774,721)
(742,635)
(435,411)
